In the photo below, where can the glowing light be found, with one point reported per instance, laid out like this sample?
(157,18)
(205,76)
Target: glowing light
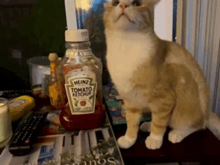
(84,4)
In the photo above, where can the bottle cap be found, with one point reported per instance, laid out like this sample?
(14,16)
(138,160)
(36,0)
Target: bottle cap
(80,35)
(53,57)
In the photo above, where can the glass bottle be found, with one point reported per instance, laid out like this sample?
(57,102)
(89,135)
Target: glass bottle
(53,85)
(80,84)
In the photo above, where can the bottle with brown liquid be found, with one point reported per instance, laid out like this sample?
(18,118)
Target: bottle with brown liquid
(80,84)
(53,84)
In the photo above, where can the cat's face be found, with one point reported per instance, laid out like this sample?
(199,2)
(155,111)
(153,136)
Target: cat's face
(129,14)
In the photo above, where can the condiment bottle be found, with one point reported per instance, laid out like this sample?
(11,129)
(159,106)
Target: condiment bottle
(53,85)
(79,78)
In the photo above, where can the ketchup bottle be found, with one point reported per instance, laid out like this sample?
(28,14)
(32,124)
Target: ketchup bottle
(80,84)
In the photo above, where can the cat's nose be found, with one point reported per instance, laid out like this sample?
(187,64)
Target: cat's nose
(123,7)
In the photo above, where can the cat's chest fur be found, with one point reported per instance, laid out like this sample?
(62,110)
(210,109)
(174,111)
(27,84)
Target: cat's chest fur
(126,51)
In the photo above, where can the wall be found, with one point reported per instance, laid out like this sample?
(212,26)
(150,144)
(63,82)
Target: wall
(164,19)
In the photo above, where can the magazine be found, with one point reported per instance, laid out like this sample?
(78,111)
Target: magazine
(52,127)
(45,140)
(91,147)
(115,106)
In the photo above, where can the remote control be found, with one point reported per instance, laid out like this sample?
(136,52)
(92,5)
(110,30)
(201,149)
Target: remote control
(26,134)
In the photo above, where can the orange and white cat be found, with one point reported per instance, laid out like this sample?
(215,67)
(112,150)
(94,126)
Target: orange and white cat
(153,74)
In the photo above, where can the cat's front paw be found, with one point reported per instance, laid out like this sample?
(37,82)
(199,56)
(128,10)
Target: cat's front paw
(154,142)
(176,136)
(126,142)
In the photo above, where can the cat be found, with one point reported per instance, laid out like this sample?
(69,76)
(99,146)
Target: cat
(150,73)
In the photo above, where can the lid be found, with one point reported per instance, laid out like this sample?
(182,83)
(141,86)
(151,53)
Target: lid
(53,57)
(3,105)
(80,35)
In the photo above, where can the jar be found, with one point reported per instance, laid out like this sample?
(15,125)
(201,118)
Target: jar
(5,123)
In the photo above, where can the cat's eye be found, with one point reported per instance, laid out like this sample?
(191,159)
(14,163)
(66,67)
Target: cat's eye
(115,3)
(136,3)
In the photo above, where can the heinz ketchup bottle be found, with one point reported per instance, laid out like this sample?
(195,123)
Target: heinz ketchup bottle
(80,84)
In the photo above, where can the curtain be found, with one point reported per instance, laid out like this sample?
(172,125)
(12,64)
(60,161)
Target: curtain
(198,29)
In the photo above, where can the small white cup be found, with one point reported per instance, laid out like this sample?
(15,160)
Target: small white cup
(5,123)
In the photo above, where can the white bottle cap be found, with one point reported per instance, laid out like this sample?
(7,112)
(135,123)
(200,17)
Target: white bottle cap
(80,35)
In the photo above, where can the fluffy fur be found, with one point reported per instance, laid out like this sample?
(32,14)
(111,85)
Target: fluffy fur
(150,73)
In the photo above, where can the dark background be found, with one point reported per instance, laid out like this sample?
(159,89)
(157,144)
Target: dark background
(28,28)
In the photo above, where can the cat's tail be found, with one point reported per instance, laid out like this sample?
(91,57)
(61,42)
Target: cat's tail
(214,124)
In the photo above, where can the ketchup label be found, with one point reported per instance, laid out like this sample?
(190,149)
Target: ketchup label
(81,92)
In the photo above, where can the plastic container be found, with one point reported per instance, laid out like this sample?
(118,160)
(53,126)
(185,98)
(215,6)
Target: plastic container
(20,105)
(39,70)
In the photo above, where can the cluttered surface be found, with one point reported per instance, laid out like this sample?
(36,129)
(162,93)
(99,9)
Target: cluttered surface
(64,119)
(54,144)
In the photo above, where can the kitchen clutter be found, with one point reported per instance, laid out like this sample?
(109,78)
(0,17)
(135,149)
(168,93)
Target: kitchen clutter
(73,84)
